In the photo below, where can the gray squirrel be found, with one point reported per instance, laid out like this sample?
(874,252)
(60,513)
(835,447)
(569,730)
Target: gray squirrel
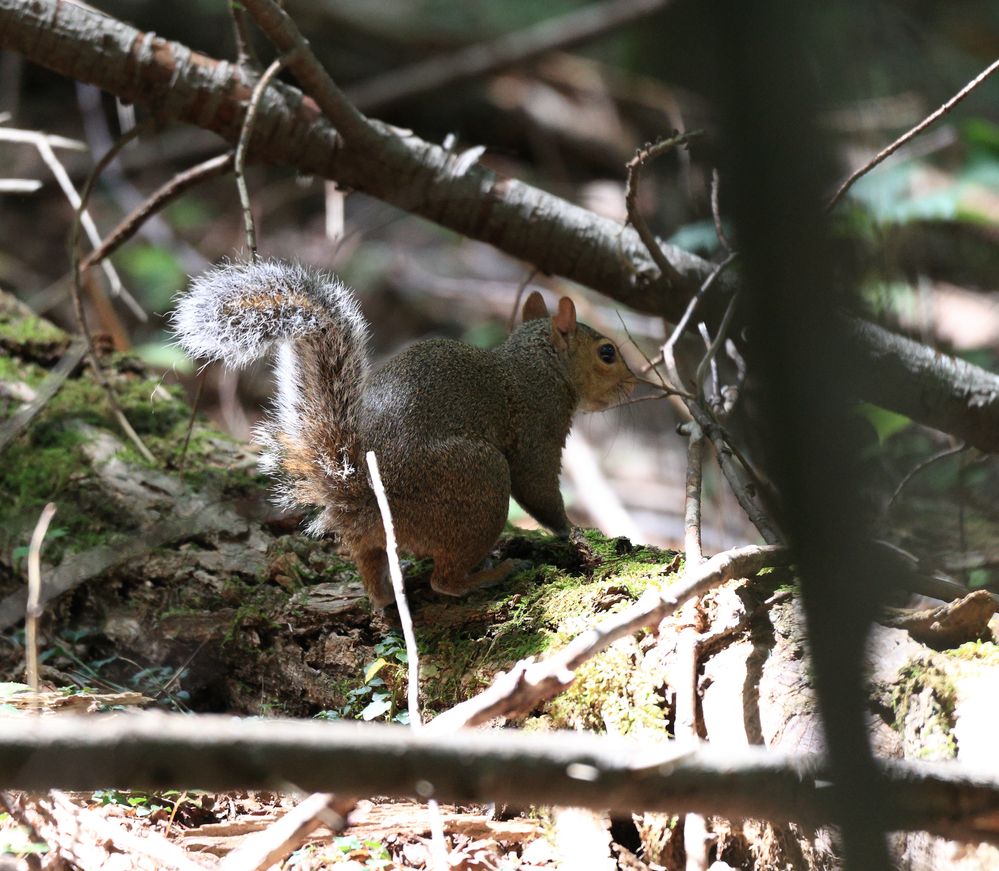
(456,429)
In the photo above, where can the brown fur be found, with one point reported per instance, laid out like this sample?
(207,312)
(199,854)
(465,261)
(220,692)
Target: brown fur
(458,430)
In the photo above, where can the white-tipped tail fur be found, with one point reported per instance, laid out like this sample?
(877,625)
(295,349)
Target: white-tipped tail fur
(238,311)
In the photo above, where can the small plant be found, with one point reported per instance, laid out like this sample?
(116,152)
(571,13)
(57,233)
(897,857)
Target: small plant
(142,804)
(17,841)
(375,698)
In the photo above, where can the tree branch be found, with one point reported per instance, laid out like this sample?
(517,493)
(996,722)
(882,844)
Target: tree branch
(526,223)
(158,751)
(530,683)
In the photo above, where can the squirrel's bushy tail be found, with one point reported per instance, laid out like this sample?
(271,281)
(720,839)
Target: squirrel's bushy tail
(238,311)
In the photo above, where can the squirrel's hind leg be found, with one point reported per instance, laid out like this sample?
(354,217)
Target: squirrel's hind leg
(453,581)
(373,566)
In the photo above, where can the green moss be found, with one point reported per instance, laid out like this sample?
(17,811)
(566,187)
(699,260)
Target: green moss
(611,694)
(924,700)
(984,652)
(537,611)
(31,330)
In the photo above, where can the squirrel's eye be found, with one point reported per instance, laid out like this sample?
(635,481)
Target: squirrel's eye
(607,353)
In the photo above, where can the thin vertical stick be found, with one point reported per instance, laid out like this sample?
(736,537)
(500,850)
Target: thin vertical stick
(33,610)
(439,849)
(244,140)
(77,273)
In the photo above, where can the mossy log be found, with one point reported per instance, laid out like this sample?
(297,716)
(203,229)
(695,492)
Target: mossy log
(188,586)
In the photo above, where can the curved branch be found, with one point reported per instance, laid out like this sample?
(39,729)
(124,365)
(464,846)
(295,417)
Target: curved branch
(414,175)
(417,176)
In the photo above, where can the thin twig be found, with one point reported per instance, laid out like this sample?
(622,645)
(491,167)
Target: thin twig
(34,609)
(730,392)
(649,152)
(398,587)
(439,848)
(180,183)
(707,387)
(244,140)
(46,145)
(246,57)
(669,353)
(516,301)
(19,185)
(738,473)
(694,827)
(929,461)
(692,510)
(716,343)
(716,213)
(268,848)
(81,317)
(281,30)
(915,131)
(190,420)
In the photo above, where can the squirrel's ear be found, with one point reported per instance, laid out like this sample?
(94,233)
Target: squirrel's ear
(564,321)
(534,307)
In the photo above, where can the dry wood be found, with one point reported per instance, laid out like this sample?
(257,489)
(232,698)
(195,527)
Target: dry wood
(263,849)
(155,751)
(91,842)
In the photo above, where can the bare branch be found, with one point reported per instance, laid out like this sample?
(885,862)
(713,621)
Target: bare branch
(264,849)
(158,751)
(167,193)
(33,609)
(526,223)
(12,428)
(244,140)
(45,146)
(669,349)
(923,464)
(653,246)
(439,848)
(77,274)
(281,29)
(912,134)
(528,683)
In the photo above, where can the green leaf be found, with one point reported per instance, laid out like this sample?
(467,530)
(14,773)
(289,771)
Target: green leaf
(376,709)
(886,423)
(374,668)
(164,355)
(12,689)
(979,578)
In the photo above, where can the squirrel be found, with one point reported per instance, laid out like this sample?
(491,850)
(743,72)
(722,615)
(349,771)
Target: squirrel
(456,429)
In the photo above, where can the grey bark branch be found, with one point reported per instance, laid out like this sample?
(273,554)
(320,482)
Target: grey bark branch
(531,225)
(530,683)
(157,751)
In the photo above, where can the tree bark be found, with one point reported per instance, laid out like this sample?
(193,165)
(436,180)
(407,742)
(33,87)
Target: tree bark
(157,751)
(419,177)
